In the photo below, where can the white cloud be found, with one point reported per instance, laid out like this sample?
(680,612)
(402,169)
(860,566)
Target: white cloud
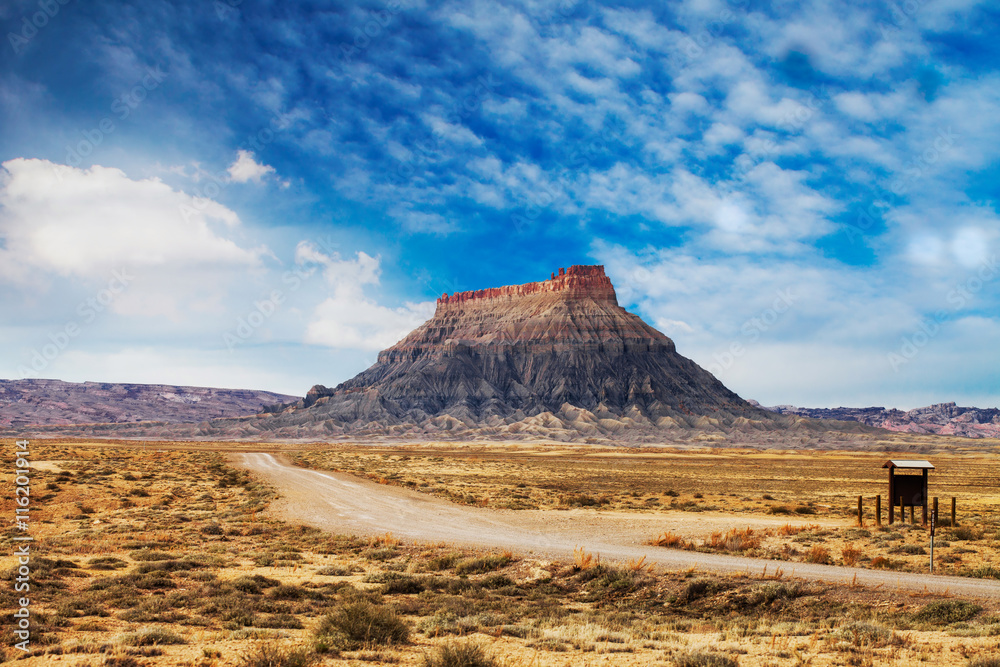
(810,331)
(246,168)
(351,319)
(84,223)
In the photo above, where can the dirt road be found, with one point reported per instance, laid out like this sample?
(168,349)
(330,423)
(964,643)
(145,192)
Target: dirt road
(342,503)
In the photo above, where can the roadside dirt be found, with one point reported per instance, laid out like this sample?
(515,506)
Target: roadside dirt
(341,503)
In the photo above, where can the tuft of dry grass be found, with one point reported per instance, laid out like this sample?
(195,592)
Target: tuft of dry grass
(850,555)
(583,560)
(736,539)
(819,554)
(670,540)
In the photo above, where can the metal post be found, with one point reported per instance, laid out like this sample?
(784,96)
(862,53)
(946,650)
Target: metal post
(933,524)
(878,511)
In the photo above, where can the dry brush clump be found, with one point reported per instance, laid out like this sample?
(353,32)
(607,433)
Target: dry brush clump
(465,654)
(736,540)
(671,541)
(362,624)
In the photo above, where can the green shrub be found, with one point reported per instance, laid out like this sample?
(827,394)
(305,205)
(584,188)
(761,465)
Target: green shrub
(283,621)
(459,655)
(697,588)
(966,533)
(151,555)
(944,612)
(984,662)
(360,624)
(151,636)
(253,584)
(443,562)
(704,659)
(867,635)
(268,655)
(106,563)
(483,564)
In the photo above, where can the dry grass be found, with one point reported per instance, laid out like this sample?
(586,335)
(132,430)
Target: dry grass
(670,540)
(583,560)
(169,558)
(735,540)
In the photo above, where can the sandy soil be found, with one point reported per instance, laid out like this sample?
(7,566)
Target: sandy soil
(343,503)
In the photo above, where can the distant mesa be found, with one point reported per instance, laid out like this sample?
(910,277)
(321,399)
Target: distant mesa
(556,359)
(937,419)
(37,402)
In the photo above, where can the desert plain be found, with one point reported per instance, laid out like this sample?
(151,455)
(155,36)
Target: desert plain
(486,553)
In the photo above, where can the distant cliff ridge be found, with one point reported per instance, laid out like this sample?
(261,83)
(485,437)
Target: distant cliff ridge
(54,402)
(940,419)
(579,281)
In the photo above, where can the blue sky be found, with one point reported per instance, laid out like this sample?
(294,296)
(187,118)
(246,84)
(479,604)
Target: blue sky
(263,194)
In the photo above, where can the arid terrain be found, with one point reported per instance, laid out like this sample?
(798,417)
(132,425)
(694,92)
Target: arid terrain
(171,554)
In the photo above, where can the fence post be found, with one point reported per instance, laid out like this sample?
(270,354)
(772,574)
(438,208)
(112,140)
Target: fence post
(954,521)
(861,519)
(878,510)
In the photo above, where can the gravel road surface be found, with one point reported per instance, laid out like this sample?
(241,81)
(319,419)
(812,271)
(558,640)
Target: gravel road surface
(342,503)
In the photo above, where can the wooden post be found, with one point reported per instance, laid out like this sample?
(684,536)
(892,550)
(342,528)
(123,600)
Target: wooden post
(892,510)
(924,522)
(935,510)
(861,519)
(878,510)
(902,512)
(912,513)
(954,522)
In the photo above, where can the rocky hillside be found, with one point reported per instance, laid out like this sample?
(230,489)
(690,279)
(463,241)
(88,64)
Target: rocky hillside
(53,402)
(941,419)
(557,358)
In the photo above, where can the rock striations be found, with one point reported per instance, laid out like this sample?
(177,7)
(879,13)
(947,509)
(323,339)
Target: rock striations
(557,359)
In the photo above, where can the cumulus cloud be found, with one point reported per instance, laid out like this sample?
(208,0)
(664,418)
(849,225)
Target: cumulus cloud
(351,319)
(245,168)
(66,221)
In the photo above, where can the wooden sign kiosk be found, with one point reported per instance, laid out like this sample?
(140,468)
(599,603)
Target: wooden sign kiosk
(907,490)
